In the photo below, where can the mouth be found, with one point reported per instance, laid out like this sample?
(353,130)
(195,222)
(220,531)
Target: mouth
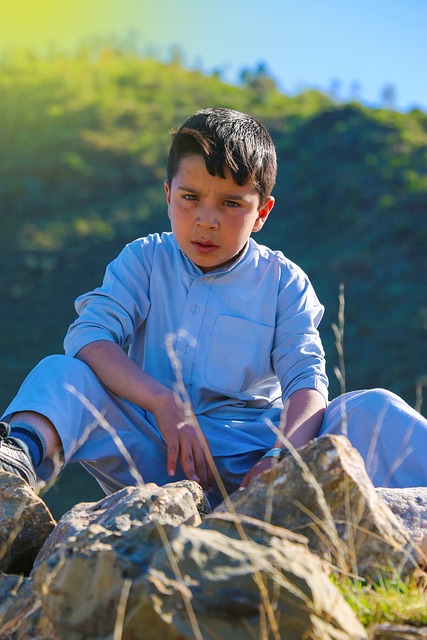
(204,247)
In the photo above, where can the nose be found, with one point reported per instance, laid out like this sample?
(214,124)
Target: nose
(207,218)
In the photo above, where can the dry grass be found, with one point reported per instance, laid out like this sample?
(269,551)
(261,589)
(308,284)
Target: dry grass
(388,600)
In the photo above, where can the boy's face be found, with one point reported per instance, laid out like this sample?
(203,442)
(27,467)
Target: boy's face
(212,217)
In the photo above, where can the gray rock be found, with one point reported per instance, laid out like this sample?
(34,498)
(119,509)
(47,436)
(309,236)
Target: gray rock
(25,523)
(398,632)
(9,585)
(240,589)
(22,616)
(129,554)
(99,548)
(325,494)
(119,512)
(142,564)
(410,507)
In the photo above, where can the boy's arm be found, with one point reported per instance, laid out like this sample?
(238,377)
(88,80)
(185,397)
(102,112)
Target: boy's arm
(302,415)
(120,375)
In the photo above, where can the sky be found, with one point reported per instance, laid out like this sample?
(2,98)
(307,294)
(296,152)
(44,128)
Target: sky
(354,48)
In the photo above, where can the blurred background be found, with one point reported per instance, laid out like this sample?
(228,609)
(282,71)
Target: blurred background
(88,94)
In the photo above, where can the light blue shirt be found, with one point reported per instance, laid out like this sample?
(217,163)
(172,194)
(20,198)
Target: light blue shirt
(244,336)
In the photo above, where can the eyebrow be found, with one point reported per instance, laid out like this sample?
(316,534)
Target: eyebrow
(227,196)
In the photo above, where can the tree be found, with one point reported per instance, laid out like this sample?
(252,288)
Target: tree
(388,96)
(259,81)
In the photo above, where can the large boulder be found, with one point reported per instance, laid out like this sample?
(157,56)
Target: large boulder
(410,507)
(324,493)
(239,589)
(398,632)
(127,509)
(22,616)
(25,523)
(96,548)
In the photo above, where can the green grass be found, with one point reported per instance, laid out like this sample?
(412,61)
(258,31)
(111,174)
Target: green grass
(388,601)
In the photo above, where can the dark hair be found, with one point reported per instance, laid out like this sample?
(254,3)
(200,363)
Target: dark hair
(227,138)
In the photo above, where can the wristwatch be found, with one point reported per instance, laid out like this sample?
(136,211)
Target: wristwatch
(276,452)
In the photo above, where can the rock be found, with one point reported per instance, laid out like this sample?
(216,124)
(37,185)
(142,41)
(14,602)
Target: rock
(130,507)
(398,632)
(25,523)
(9,585)
(325,494)
(422,553)
(243,527)
(199,496)
(410,507)
(99,548)
(239,589)
(142,564)
(126,563)
(22,616)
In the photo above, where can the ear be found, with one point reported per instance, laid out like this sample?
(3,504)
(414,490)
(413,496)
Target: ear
(167,192)
(263,214)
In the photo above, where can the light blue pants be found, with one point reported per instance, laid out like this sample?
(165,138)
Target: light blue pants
(119,443)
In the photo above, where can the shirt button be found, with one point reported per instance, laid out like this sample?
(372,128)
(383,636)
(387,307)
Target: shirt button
(186,348)
(195,308)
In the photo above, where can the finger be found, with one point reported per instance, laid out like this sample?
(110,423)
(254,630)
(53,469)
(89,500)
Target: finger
(204,463)
(201,466)
(187,461)
(172,456)
(256,470)
(246,479)
(211,477)
(203,458)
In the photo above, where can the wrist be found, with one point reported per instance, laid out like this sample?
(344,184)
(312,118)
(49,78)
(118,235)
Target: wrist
(159,397)
(276,452)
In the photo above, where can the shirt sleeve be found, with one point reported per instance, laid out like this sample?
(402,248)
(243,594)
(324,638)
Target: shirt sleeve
(116,309)
(298,355)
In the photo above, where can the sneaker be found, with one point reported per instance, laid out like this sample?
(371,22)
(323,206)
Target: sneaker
(13,458)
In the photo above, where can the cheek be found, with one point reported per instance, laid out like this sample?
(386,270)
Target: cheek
(180,220)
(243,227)
(181,209)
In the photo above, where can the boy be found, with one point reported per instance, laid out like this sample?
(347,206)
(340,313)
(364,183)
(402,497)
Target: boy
(233,322)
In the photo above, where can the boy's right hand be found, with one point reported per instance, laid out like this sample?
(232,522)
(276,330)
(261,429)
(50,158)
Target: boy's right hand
(185,441)
(184,438)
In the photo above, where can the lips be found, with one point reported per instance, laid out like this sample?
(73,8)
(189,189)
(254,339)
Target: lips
(204,247)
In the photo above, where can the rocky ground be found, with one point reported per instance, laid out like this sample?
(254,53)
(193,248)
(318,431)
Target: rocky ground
(154,563)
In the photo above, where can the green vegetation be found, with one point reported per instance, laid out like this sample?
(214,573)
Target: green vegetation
(83,143)
(396,601)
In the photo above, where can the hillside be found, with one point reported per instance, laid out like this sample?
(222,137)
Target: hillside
(84,142)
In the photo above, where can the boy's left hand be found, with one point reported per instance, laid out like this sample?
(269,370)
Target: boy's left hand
(261,466)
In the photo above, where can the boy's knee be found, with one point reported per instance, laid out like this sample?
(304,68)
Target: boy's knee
(373,400)
(379,399)
(60,371)
(58,365)
(357,408)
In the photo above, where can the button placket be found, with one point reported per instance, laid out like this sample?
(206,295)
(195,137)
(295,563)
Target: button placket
(192,321)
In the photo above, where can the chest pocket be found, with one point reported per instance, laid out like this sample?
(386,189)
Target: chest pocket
(238,354)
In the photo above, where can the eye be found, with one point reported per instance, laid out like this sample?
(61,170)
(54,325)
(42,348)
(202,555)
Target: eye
(231,203)
(189,196)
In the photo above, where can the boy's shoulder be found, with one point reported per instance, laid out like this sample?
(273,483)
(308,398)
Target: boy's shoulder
(277,258)
(146,247)
(154,240)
